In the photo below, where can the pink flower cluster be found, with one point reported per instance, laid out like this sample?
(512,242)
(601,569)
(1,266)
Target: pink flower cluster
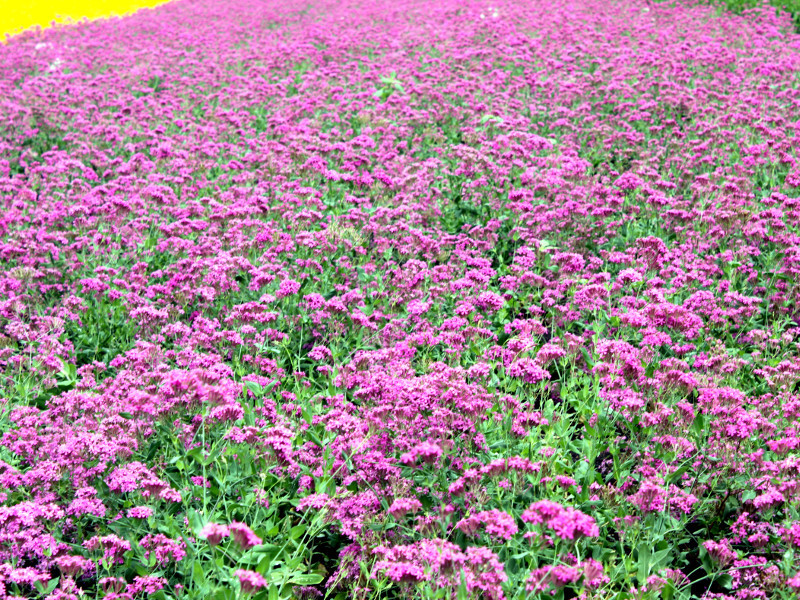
(443,563)
(565,523)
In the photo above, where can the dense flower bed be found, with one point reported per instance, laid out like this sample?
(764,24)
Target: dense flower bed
(401,299)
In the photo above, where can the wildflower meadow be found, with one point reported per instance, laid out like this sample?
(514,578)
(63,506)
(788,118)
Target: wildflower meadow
(395,299)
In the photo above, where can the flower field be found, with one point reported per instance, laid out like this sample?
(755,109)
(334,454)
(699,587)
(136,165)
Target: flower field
(401,299)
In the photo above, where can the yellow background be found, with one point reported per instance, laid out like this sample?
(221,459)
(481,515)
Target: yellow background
(18,15)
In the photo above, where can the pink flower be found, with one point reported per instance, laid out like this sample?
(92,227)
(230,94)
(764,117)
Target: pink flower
(319,353)
(561,575)
(427,451)
(417,307)
(112,585)
(114,547)
(650,497)
(404,572)
(28,575)
(489,301)
(443,563)
(140,512)
(401,506)
(250,581)
(166,549)
(74,565)
(794,582)
(214,532)
(243,535)
(527,370)
(317,501)
(149,584)
(720,552)
(287,287)
(565,522)
(497,523)
(548,353)
(593,575)
(769,498)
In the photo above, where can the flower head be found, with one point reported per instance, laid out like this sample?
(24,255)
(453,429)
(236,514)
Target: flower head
(250,581)
(243,535)
(214,532)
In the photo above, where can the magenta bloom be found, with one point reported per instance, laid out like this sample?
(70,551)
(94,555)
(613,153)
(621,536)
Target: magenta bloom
(401,506)
(140,512)
(165,549)
(214,532)
(250,581)
(243,535)
(497,524)
(426,451)
(794,582)
(73,565)
(565,522)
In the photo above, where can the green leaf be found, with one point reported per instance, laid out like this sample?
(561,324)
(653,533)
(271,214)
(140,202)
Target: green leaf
(699,424)
(660,559)
(486,118)
(195,521)
(306,579)
(678,473)
(296,531)
(644,563)
(705,559)
(198,575)
(725,581)
(587,357)
(256,388)
(462,593)
(51,585)
(668,593)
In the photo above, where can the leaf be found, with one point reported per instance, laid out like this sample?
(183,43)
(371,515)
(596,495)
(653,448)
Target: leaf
(644,563)
(195,521)
(725,581)
(486,118)
(256,388)
(198,576)
(266,550)
(306,579)
(705,559)
(668,593)
(51,585)
(462,593)
(587,357)
(660,559)
(699,424)
(678,473)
